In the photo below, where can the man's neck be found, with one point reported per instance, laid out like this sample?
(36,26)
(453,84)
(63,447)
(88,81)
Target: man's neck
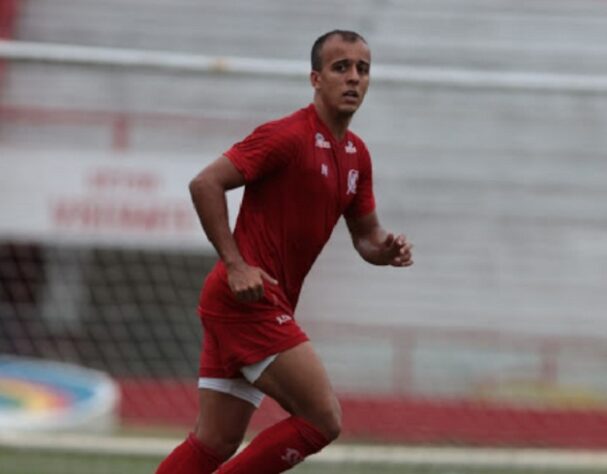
(337,124)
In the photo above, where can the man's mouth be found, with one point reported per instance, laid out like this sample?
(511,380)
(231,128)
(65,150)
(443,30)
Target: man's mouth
(350,93)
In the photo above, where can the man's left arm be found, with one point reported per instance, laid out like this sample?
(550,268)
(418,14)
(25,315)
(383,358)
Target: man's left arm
(376,245)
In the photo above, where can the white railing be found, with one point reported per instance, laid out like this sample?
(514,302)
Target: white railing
(400,74)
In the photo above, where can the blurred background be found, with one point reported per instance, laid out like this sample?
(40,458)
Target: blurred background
(486,123)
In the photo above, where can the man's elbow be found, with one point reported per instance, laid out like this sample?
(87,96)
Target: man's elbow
(359,245)
(365,249)
(194,185)
(199,183)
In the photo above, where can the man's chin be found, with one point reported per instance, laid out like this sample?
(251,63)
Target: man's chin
(347,110)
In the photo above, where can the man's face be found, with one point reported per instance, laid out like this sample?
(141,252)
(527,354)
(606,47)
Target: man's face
(343,79)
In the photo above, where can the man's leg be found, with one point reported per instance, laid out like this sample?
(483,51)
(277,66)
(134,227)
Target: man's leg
(298,381)
(220,428)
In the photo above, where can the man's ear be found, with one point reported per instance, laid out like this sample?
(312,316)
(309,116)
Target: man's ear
(315,79)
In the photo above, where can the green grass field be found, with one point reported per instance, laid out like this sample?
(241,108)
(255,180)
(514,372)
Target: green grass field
(24,461)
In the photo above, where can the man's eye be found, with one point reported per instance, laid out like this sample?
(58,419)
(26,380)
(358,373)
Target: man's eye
(340,67)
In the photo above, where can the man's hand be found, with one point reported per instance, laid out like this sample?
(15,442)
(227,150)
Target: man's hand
(377,246)
(246,282)
(396,251)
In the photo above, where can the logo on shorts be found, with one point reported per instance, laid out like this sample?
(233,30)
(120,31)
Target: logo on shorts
(324,169)
(283,319)
(352,181)
(292,457)
(321,142)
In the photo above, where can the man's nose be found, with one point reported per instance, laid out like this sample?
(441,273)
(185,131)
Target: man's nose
(353,75)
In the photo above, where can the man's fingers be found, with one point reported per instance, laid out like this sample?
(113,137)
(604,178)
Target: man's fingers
(396,242)
(389,240)
(402,242)
(254,291)
(406,249)
(402,262)
(401,252)
(400,246)
(267,277)
(248,285)
(250,294)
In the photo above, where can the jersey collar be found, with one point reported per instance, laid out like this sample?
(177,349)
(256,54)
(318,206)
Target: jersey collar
(319,126)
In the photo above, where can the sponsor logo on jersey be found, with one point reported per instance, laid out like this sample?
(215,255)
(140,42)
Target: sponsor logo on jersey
(292,457)
(321,142)
(283,319)
(324,169)
(352,181)
(350,148)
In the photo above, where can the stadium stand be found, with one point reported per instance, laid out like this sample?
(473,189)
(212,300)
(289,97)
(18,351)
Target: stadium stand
(502,192)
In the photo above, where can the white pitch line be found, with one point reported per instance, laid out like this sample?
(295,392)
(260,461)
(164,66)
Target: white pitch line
(340,453)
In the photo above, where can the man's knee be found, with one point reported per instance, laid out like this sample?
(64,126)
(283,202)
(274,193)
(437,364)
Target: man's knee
(223,445)
(327,420)
(331,428)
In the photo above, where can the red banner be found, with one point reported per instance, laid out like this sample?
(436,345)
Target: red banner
(8,13)
(393,418)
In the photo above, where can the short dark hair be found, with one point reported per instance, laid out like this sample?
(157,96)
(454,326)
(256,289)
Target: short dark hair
(349,36)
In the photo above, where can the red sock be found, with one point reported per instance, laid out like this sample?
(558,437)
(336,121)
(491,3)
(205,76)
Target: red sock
(190,457)
(277,448)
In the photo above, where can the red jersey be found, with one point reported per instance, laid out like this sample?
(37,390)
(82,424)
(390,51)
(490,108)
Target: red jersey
(299,181)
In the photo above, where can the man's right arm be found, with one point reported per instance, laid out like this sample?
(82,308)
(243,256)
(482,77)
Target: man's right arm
(208,190)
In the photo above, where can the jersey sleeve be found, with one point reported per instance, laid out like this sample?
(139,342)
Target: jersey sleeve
(364,200)
(267,149)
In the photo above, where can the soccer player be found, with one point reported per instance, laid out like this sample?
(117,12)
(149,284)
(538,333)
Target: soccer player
(301,173)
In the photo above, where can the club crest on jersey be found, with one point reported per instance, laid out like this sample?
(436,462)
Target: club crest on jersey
(321,142)
(350,148)
(352,181)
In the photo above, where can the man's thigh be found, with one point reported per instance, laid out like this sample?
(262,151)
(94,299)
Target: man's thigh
(222,419)
(298,380)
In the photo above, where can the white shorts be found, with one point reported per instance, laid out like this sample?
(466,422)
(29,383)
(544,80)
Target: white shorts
(242,388)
